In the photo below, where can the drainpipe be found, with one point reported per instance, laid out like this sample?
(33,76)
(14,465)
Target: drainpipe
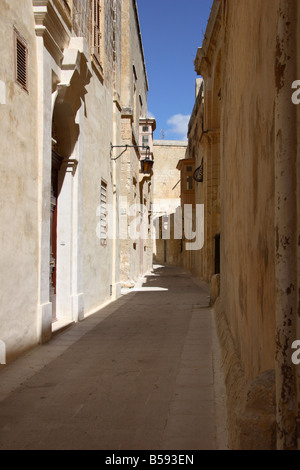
(286,225)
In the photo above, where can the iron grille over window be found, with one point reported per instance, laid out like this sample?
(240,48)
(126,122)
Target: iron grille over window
(21,58)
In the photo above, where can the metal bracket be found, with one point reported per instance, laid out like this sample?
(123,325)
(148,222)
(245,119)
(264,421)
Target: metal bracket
(147,148)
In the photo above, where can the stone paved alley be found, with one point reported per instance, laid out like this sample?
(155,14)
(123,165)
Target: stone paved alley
(142,373)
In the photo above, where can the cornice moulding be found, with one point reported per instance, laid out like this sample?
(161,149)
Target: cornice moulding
(203,58)
(51,26)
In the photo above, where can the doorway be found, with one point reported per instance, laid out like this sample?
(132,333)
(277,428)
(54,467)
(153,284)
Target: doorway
(56,164)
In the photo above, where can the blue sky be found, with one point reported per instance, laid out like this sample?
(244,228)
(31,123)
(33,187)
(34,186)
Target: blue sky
(172,31)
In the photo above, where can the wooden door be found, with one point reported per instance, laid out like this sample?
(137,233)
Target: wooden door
(56,164)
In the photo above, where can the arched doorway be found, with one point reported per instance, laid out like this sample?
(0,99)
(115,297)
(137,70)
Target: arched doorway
(65,133)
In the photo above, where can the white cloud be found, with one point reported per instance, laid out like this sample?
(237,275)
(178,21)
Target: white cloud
(178,124)
(150,115)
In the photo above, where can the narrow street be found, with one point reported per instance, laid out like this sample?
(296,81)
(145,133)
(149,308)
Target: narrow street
(141,374)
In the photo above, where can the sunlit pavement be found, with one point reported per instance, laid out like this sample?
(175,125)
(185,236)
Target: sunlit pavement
(139,374)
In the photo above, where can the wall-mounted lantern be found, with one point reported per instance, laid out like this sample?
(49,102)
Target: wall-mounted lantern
(146,163)
(198,173)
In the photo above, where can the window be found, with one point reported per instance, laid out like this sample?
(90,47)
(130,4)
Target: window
(134,73)
(96,29)
(103,213)
(145,141)
(189,178)
(21,61)
(145,128)
(189,182)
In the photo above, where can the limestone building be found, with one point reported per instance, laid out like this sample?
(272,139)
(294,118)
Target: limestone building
(244,140)
(73,88)
(167,249)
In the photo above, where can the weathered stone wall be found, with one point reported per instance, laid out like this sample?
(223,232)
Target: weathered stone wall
(18,191)
(240,97)
(247,184)
(111,39)
(81,17)
(287,215)
(247,214)
(134,88)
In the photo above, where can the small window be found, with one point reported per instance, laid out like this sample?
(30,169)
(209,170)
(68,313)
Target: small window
(134,73)
(189,169)
(21,61)
(103,213)
(145,141)
(189,183)
(145,128)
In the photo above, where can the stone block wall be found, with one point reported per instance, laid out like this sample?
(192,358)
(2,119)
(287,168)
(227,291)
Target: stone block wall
(166,197)
(82,18)
(248,135)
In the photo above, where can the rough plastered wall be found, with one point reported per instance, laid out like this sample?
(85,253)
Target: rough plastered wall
(98,134)
(247,196)
(166,196)
(19,177)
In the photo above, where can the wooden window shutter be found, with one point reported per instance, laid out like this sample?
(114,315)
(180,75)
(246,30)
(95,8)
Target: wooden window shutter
(103,213)
(21,61)
(96,28)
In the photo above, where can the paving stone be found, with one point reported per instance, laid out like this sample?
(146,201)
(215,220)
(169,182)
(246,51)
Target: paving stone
(136,375)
